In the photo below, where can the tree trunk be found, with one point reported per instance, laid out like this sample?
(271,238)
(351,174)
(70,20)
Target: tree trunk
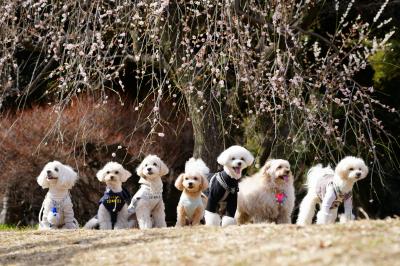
(207,129)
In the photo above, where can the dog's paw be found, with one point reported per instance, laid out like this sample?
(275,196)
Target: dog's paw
(343,218)
(212,219)
(324,218)
(226,220)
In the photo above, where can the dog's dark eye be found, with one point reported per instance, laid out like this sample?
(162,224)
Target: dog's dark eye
(145,164)
(154,164)
(116,172)
(242,159)
(279,167)
(186,178)
(56,169)
(233,158)
(108,172)
(195,178)
(351,169)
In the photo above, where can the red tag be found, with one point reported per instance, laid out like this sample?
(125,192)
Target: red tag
(280,197)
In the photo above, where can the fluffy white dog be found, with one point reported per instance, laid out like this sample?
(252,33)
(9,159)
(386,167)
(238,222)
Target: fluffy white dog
(57,209)
(329,189)
(147,203)
(267,196)
(113,206)
(223,186)
(191,205)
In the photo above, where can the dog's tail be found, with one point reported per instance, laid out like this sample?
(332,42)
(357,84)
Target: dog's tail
(92,223)
(317,172)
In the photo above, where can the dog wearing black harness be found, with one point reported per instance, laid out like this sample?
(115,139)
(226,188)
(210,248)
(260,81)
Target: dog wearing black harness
(113,206)
(223,186)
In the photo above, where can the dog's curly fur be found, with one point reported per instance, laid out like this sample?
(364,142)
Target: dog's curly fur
(59,179)
(150,212)
(113,174)
(348,171)
(256,197)
(192,203)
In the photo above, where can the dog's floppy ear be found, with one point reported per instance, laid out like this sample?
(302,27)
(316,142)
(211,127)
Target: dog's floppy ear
(340,169)
(163,168)
(179,182)
(204,183)
(68,176)
(101,174)
(42,178)
(249,158)
(139,169)
(125,174)
(267,165)
(365,169)
(223,157)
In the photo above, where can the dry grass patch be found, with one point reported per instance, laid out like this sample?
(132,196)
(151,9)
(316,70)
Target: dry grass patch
(357,243)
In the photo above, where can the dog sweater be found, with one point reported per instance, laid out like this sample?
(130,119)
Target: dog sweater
(222,188)
(114,202)
(146,192)
(190,204)
(330,194)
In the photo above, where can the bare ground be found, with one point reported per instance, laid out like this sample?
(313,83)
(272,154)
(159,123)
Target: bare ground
(357,243)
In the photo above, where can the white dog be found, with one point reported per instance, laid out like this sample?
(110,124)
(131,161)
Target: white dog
(113,206)
(330,188)
(148,203)
(223,185)
(57,210)
(191,205)
(267,196)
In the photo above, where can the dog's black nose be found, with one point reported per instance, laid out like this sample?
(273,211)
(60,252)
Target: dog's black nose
(48,172)
(149,169)
(287,172)
(112,177)
(239,163)
(358,175)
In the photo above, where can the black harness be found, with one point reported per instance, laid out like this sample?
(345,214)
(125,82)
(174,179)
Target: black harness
(114,202)
(222,188)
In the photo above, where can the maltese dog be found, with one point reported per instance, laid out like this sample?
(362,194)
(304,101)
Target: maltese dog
(57,209)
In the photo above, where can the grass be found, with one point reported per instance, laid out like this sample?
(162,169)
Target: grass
(357,243)
(8,227)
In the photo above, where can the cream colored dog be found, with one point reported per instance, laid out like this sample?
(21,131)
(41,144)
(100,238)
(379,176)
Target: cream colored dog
(267,196)
(329,189)
(57,211)
(191,205)
(147,203)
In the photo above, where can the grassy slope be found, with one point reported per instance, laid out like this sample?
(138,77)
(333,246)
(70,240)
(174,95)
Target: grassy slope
(357,243)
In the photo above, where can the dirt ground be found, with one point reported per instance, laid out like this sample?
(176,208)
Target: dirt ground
(356,243)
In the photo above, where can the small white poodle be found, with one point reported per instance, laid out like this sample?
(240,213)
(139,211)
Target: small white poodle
(192,203)
(57,209)
(329,189)
(267,196)
(223,186)
(113,206)
(147,203)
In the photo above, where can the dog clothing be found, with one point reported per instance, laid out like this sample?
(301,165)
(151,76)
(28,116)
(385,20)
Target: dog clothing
(329,193)
(145,193)
(61,208)
(190,204)
(114,202)
(222,188)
